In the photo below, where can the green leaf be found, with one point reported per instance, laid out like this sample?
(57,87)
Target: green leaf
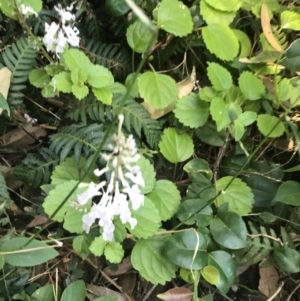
(166,197)
(63,82)
(219,77)
(211,274)
(2,262)
(99,76)
(209,93)
(219,113)
(74,291)
(247,118)
(245,43)
(120,230)
(80,92)
(4,104)
(148,220)
(284,90)
(75,58)
(116,8)
(237,130)
(288,193)
(198,166)
(221,41)
(210,135)
(146,258)
(114,252)
(290,20)
(48,91)
(191,111)
(38,78)
(251,86)
(39,252)
(105,95)
(266,123)
(229,230)
(130,83)
(227,269)
(138,36)
(44,293)
(174,147)
(212,15)
(287,259)
(187,250)
(78,76)
(292,60)
(174,17)
(81,244)
(97,246)
(158,90)
(238,195)
(230,5)
(148,174)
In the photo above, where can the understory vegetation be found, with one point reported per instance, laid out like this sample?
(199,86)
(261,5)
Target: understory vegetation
(149,150)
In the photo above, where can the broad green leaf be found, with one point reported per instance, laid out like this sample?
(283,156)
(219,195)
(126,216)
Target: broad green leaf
(44,293)
(39,252)
(38,78)
(234,111)
(284,90)
(247,118)
(166,197)
(148,220)
(74,291)
(120,230)
(174,17)
(147,260)
(174,147)
(134,92)
(99,76)
(238,195)
(219,113)
(2,262)
(292,56)
(80,92)
(293,169)
(211,274)
(221,41)
(267,123)
(287,259)
(212,15)
(48,91)
(81,244)
(75,58)
(237,130)
(79,76)
(245,43)
(4,104)
(198,166)
(97,246)
(229,230)
(288,193)
(138,36)
(116,8)
(191,111)
(219,77)
(158,90)
(148,174)
(290,20)
(114,252)
(8,7)
(63,82)
(210,135)
(73,219)
(227,268)
(251,86)
(103,94)
(229,5)
(209,93)
(182,250)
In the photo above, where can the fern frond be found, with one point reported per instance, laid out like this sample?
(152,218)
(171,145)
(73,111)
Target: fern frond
(36,169)
(4,195)
(280,36)
(78,140)
(19,59)
(136,117)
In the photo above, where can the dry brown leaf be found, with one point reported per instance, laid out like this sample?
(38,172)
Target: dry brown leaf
(185,87)
(267,29)
(268,281)
(128,282)
(177,294)
(5,75)
(37,221)
(95,291)
(123,267)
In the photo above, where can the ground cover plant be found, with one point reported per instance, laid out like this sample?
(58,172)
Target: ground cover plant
(149,150)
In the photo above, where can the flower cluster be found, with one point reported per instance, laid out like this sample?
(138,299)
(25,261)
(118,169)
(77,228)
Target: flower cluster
(125,179)
(59,35)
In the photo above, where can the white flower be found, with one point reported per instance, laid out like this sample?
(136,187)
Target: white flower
(27,9)
(64,15)
(49,38)
(72,35)
(92,191)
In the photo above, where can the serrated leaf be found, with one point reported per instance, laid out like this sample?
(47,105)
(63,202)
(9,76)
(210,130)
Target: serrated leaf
(247,118)
(230,5)
(237,130)
(147,260)
(97,246)
(148,220)
(251,86)
(174,147)
(99,76)
(238,195)
(287,259)
(63,82)
(290,20)
(266,123)
(174,17)
(166,197)
(80,92)
(38,78)
(81,244)
(158,90)
(74,291)
(78,76)
(219,113)
(219,77)
(210,135)
(288,193)
(114,252)
(192,111)
(75,58)
(148,174)
(138,36)
(212,15)
(211,274)
(221,41)
(104,95)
